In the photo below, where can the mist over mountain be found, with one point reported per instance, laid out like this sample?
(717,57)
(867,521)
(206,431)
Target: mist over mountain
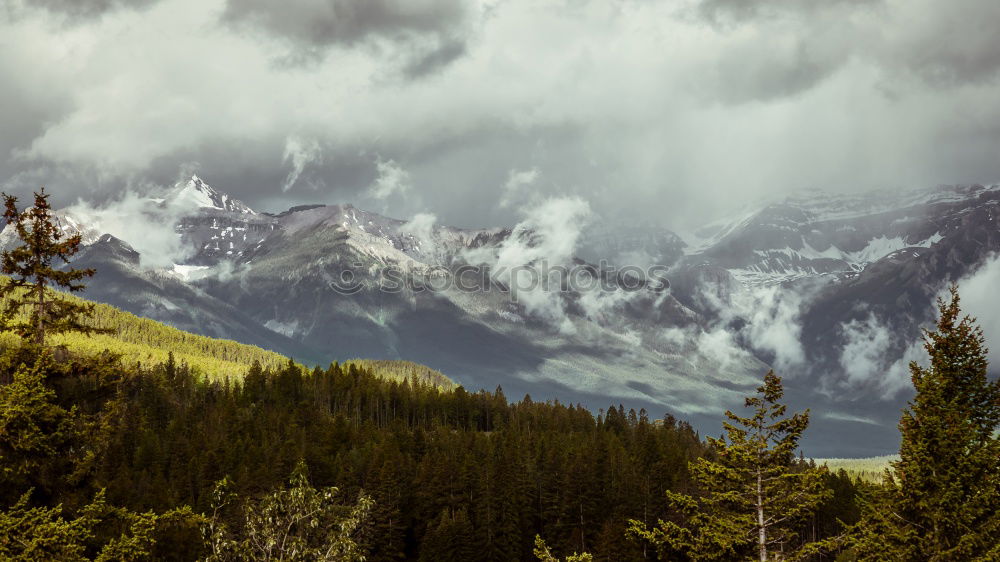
(831,291)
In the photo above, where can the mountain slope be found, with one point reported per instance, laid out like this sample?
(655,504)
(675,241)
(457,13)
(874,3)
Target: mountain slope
(142,340)
(811,285)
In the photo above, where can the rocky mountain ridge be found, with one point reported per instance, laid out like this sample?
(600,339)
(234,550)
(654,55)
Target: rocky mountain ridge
(788,285)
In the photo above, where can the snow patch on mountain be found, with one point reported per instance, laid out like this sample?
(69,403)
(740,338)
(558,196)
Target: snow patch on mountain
(189,272)
(882,246)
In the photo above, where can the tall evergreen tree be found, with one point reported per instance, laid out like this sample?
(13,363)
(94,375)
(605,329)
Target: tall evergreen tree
(943,496)
(450,538)
(33,427)
(752,497)
(33,272)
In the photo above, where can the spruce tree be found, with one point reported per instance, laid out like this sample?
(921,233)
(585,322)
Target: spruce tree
(33,427)
(32,273)
(943,495)
(450,538)
(752,497)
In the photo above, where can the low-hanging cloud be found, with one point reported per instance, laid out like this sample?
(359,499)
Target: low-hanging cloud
(768,318)
(978,292)
(142,223)
(875,356)
(299,153)
(422,228)
(775,324)
(868,360)
(546,238)
(392,179)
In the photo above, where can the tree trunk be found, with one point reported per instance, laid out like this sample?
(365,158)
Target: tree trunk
(40,314)
(761,530)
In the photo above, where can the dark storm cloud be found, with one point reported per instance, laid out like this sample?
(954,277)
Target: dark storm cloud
(956,44)
(73,11)
(942,43)
(640,108)
(432,29)
(431,62)
(721,11)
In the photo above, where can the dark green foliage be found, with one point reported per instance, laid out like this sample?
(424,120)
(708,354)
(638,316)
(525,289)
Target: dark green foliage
(449,538)
(464,475)
(942,501)
(752,498)
(46,447)
(502,473)
(33,274)
(453,475)
(33,427)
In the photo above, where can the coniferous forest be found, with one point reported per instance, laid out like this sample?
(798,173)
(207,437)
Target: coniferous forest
(451,475)
(106,459)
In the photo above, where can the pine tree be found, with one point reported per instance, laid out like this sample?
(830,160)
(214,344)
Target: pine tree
(450,538)
(752,497)
(943,496)
(32,274)
(33,427)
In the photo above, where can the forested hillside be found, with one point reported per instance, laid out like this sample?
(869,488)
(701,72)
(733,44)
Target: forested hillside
(453,475)
(143,341)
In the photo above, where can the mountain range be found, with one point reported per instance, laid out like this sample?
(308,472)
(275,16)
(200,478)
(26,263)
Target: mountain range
(830,290)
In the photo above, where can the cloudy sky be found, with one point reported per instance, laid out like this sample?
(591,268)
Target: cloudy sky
(668,111)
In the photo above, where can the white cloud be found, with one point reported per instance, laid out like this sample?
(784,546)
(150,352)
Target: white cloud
(299,153)
(769,318)
(392,179)
(517,182)
(627,104)
(137,220)
(422,227)
(545,239)
(774,323)
(978,292)
(720,345)
(866,359)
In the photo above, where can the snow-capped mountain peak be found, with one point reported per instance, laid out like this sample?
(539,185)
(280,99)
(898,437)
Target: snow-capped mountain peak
(196,194)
